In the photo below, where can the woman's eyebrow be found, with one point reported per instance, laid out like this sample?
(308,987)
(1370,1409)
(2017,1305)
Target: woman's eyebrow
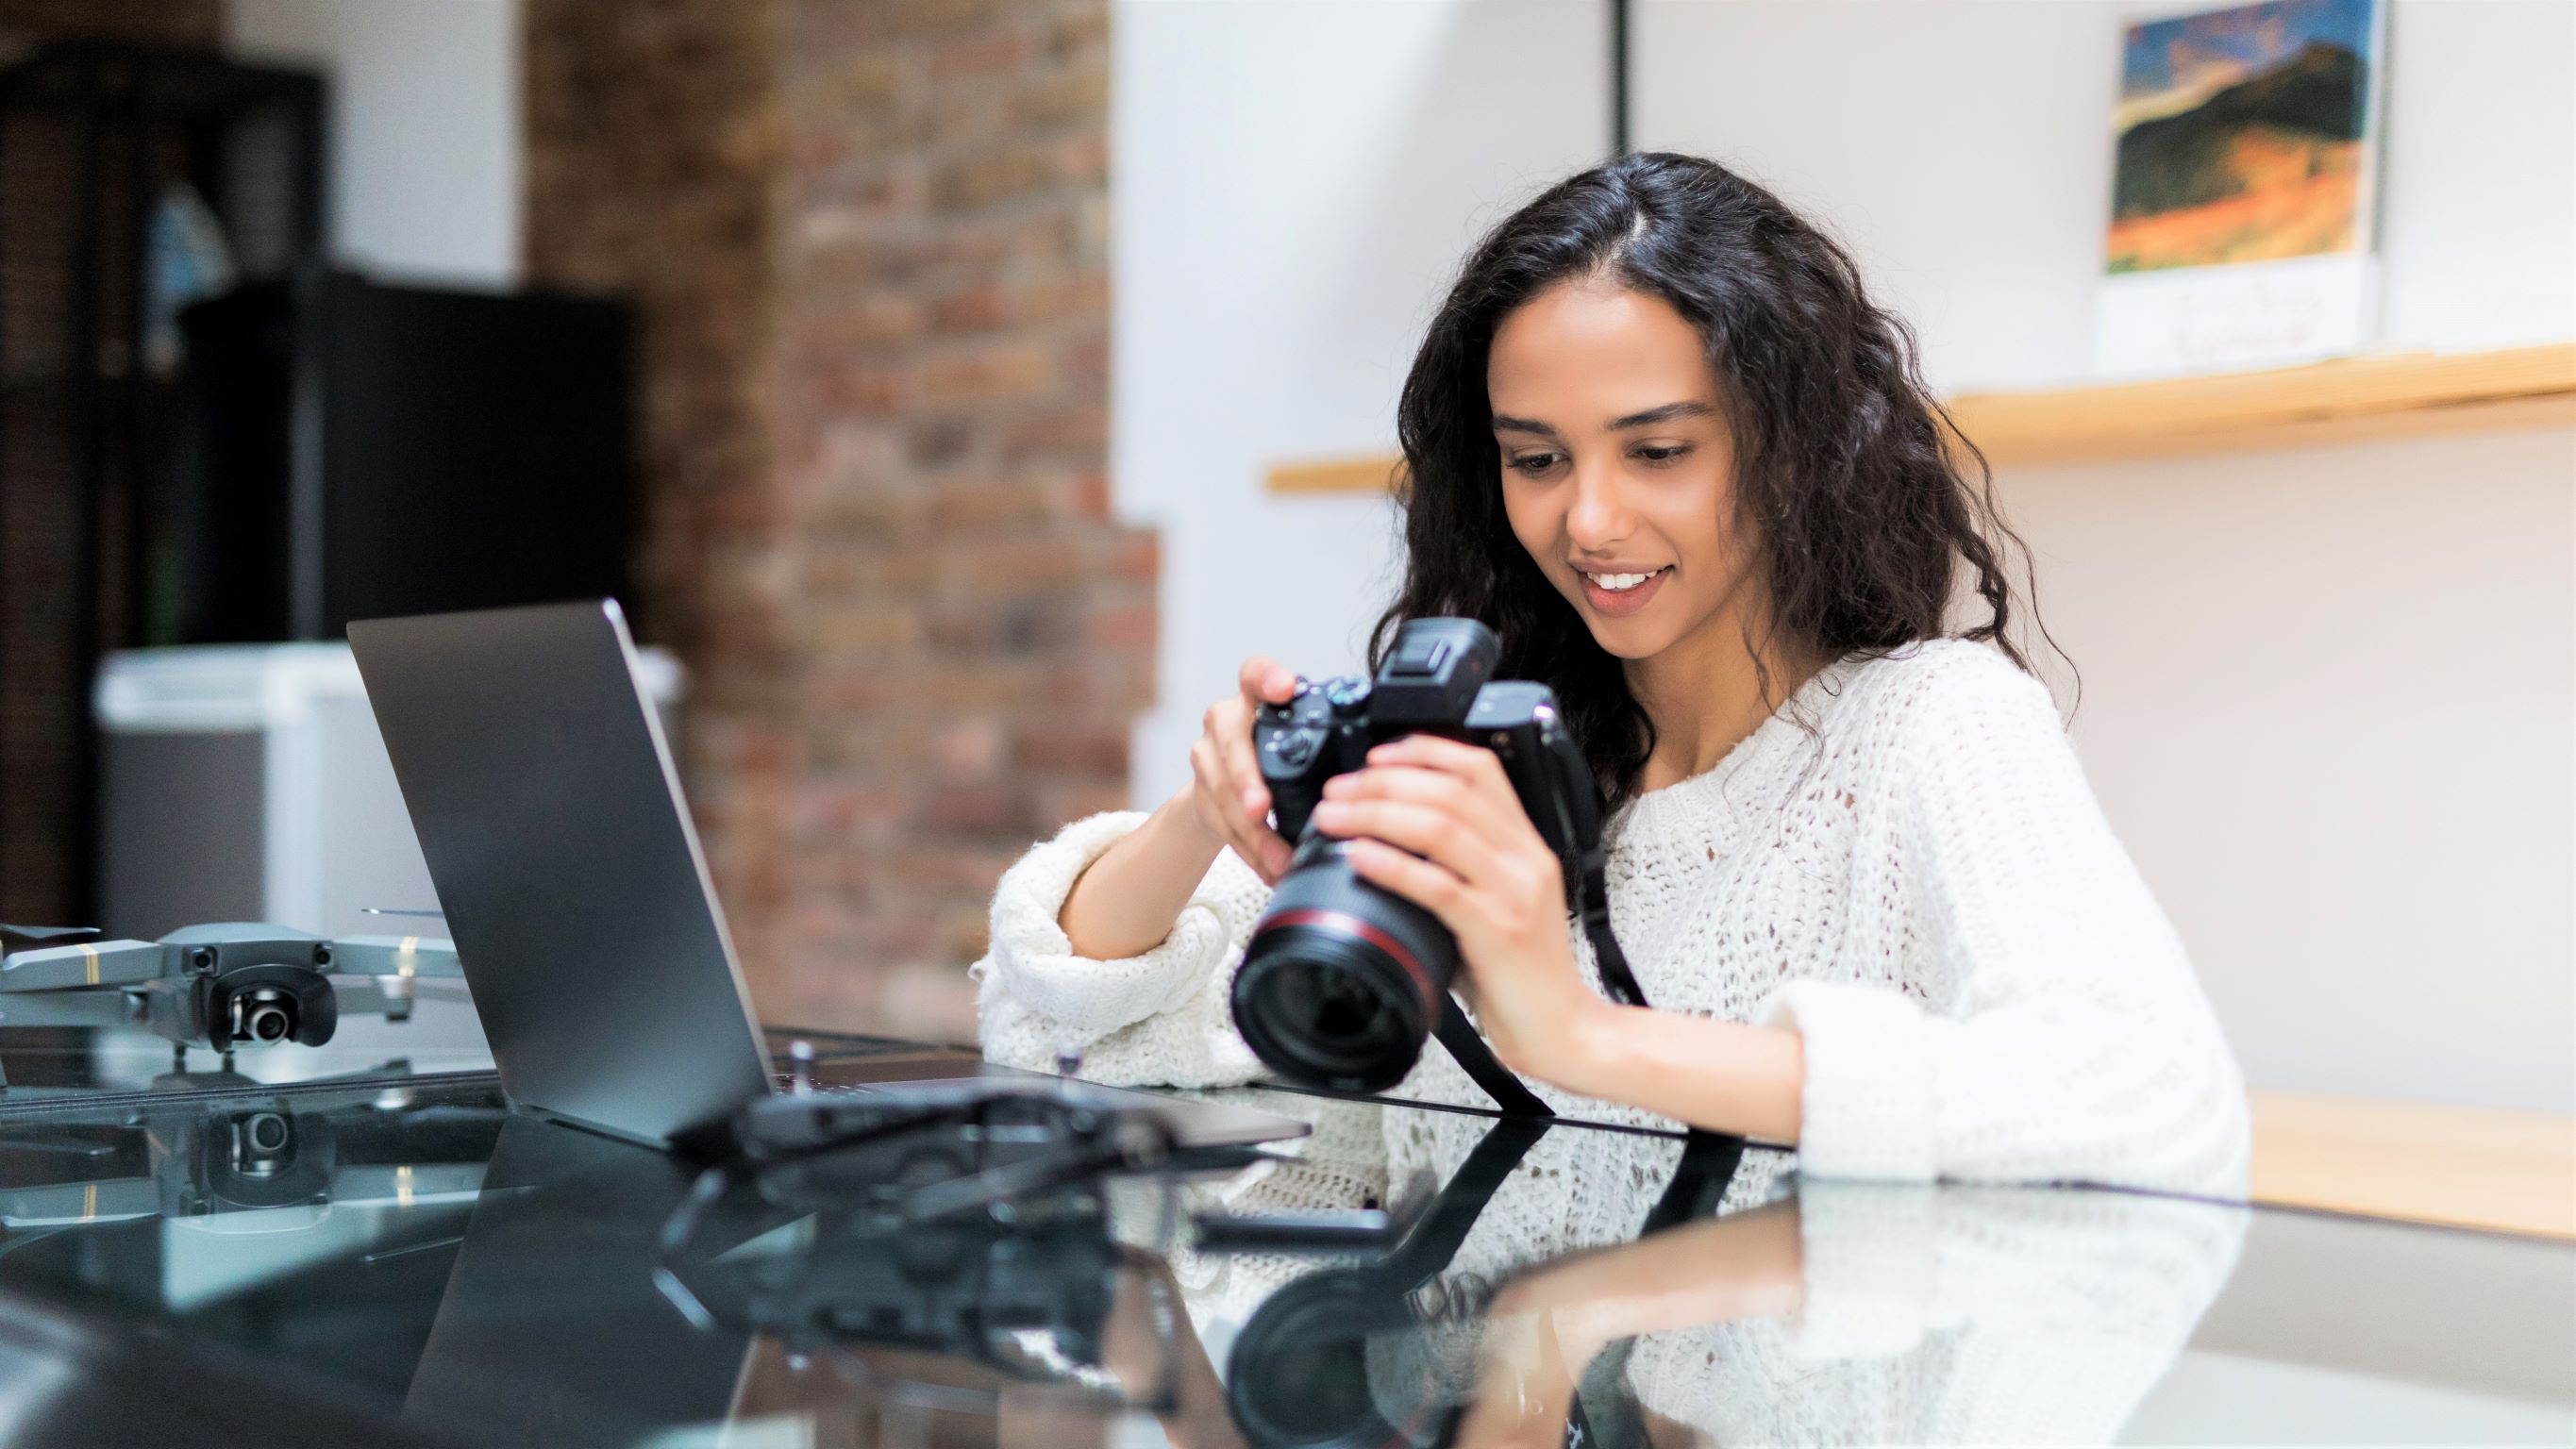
(1669,412)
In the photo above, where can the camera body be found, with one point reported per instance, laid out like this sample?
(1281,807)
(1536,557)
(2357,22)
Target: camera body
(1437,681)
(1343,980)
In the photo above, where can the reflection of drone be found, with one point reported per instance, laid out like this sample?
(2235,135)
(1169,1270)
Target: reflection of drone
(216,986)
(193,1162)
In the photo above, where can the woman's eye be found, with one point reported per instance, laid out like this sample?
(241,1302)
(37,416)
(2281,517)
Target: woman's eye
(1660,456)
(1534,464)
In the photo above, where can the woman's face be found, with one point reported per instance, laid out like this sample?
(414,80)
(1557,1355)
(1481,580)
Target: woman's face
(1617,465)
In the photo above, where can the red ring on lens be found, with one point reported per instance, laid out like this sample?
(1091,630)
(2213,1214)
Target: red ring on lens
(1317,916)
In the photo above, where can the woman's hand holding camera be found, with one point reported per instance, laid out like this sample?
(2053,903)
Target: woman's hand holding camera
(1437,822)
(1228,798)
(1129,898)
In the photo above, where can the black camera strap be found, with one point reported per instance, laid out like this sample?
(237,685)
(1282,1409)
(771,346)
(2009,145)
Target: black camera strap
(1619,983)
(1477,1059)
(1575,806)
(1592,904)
(1479,1062)
(1613,1421)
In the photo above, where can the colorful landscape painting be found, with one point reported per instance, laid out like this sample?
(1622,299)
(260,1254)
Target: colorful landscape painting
(2243,135)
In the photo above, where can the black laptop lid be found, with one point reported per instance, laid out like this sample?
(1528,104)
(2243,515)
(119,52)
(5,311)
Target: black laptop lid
(554,828)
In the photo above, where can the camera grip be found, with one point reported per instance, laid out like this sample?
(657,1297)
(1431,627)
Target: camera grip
(1290,741)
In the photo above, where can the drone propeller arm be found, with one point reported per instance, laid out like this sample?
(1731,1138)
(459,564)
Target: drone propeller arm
(407,1184)
(65,1204)
(70,968)
(70,1008)
(394,956)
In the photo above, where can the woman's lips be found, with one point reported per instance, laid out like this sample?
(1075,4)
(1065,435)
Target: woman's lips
(1620,604)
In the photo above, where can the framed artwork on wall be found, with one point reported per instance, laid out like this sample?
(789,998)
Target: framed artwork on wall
(2244,189)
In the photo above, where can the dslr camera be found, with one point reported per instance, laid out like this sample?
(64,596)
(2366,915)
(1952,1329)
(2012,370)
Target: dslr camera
(1342,980)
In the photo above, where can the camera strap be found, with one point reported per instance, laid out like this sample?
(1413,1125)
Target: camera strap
(1479,1062)
(1591,874)
(1592,903)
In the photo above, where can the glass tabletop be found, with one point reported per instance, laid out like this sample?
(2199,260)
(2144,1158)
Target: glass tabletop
(42,1070)
(395,1256)
(43,1064)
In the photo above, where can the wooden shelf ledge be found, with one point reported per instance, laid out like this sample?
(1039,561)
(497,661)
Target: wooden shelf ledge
(2355,399)
(2468,1167)
(2349,400)
(1336,475)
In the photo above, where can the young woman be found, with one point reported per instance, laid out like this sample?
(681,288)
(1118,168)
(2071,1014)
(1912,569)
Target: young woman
(1659,439)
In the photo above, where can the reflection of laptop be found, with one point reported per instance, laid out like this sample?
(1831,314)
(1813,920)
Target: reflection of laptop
(547,807)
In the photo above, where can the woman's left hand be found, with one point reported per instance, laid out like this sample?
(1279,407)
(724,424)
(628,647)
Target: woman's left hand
(1437,822)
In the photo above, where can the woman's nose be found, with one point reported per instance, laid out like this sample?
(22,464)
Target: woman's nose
(1599,516)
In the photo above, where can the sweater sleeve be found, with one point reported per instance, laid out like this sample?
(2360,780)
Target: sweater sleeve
(1158,1019)
(1956,1316)
(1888,1266)
(2065,1037)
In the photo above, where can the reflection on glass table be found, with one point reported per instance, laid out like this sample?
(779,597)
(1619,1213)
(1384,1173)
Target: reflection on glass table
(44,1067)
(403,1260)
(48,1066)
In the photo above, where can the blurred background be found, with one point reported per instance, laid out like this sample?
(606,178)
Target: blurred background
(955,389)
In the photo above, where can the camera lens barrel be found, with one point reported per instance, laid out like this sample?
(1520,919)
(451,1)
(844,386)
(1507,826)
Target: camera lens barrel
(1342,981)
(263,1015)
(1298,1374)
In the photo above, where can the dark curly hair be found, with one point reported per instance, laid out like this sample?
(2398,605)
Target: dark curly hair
(1849,477)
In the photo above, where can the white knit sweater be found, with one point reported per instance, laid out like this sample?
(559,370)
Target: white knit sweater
(1904,864)
(1926,1315)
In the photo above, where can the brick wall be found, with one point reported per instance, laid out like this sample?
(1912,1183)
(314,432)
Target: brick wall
(652,157)
(870,239)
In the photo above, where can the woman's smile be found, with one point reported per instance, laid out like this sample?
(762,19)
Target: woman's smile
(1618,595)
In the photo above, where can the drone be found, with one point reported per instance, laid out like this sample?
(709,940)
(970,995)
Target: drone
(285,1161)
(216,987)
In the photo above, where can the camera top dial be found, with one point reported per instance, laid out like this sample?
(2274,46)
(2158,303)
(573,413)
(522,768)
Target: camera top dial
(1315,735)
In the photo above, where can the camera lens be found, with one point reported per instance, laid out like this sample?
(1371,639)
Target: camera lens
(264,1014)
(1341,981)
(1297,1376)
(262,1144)
(1341,1023)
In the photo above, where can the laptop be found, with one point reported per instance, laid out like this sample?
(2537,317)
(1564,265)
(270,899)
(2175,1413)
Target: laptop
(539,782)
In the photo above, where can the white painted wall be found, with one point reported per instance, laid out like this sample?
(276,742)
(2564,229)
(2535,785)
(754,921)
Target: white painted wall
(2327,704)
(425,166)
(1963,149)
(2329,694)
(1294,183)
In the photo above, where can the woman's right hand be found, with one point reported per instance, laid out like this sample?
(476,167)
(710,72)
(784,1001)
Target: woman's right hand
(1128,899)
(1228,797)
